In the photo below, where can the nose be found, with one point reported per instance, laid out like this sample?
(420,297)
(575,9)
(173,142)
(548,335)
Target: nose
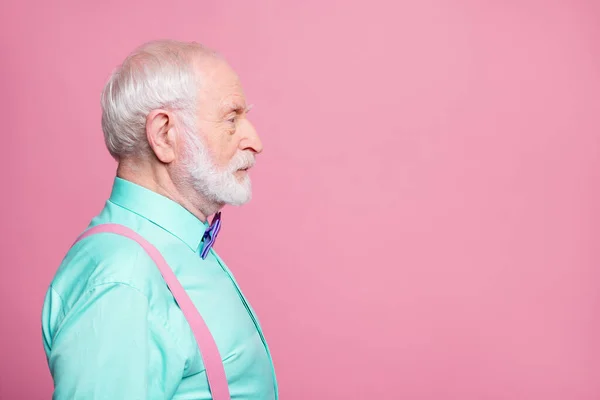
(251,141)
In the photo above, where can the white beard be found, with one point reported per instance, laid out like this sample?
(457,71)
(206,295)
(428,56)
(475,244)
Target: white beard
(219,186)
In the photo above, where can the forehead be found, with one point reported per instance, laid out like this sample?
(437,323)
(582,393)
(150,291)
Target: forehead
(220,87)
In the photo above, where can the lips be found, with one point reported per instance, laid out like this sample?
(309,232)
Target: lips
(246,167)
(243,162)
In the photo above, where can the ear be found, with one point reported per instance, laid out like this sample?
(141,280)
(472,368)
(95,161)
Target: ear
(160,131)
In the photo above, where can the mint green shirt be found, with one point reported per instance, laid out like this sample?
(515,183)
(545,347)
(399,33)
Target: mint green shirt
(112,329)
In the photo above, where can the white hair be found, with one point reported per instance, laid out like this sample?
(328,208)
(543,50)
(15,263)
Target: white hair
(157,75)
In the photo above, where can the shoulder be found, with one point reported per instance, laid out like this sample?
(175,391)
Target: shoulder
(106,258)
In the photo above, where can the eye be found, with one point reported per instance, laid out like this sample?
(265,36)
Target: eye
(232,119)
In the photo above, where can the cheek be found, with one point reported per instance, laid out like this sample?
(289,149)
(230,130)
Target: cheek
(224,150)
(221,144)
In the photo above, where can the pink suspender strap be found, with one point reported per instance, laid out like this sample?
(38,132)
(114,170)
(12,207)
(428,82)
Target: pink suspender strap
(215,372)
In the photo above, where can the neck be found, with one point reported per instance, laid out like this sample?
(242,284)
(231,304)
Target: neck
(158,179)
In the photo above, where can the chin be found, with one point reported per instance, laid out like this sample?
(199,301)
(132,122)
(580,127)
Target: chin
(227,190)
(240,202)
(234,195)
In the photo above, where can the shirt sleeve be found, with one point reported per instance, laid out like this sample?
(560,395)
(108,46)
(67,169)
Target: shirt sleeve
(107,347)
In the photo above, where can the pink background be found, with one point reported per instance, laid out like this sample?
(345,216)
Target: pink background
(426,209)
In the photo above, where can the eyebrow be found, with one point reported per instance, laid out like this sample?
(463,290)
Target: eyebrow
(236,107)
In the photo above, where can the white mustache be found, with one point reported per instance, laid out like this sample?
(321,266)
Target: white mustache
(242,160)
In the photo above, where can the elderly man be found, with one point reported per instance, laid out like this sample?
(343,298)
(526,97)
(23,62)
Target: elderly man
(142,307)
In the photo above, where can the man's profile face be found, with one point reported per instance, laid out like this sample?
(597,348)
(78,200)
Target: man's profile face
(222,146)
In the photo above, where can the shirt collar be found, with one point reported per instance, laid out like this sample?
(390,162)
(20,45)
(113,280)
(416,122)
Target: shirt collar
(159,210)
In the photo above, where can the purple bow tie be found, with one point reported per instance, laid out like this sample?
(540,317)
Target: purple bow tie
(210,235)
